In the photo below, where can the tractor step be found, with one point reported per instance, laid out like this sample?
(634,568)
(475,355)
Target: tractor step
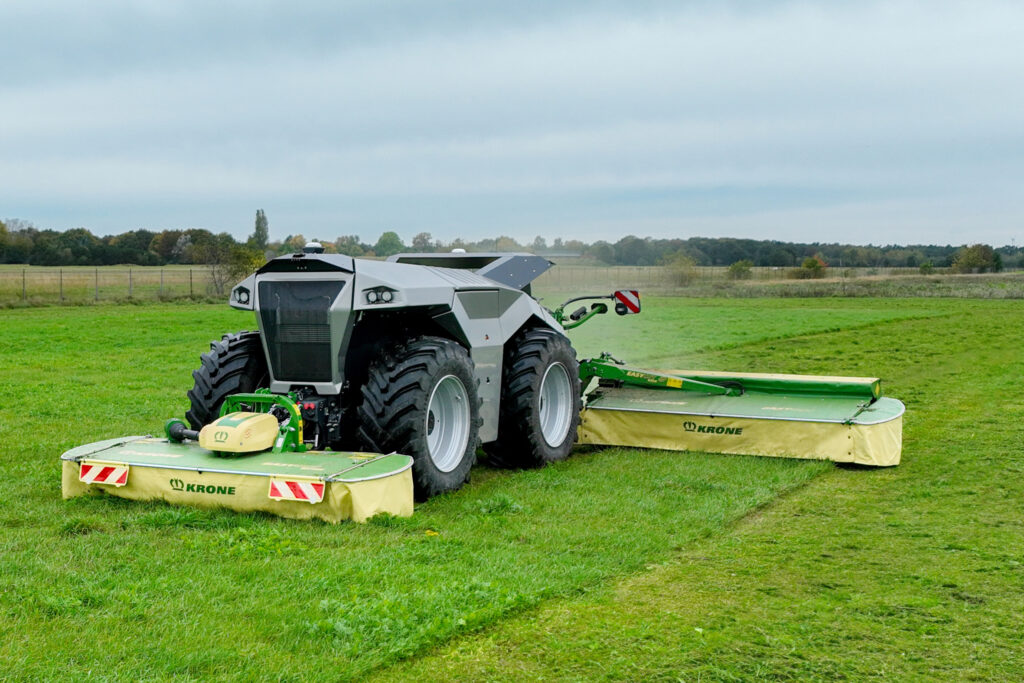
(328,485)
(788,416)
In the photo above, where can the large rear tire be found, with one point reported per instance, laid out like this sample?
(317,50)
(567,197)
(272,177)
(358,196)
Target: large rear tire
(234,365)
(540,401)
(420,399)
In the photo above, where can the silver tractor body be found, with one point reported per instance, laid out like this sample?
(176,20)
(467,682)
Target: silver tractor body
(322,317)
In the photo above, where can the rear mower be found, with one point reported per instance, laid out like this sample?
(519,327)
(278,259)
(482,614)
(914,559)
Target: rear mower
(370,383)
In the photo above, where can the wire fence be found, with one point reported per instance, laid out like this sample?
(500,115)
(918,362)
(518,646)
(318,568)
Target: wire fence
(36,285)
(76,285)
(572,278)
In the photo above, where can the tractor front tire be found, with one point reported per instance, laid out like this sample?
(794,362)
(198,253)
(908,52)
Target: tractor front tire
(420,399)
(540,401)
(233,365)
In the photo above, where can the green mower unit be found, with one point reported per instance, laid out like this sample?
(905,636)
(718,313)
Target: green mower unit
(370,384)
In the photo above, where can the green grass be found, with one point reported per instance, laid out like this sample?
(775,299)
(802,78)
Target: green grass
(911,573)
(604,566)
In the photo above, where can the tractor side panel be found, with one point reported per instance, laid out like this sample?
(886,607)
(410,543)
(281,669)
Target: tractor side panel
(489,318)
(483,333)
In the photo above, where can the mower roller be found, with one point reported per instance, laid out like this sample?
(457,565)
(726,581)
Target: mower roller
(370,384)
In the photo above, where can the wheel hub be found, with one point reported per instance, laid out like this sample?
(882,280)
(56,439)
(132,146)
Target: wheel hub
(555,404)
(447,423)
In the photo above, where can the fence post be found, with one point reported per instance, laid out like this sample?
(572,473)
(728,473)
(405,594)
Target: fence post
(129,282)
(190,282)
(61,278)
(161,282)
(96,293)
(24,295)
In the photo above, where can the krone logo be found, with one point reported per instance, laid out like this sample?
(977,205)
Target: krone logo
(711,429)
(220,436)
(179,485)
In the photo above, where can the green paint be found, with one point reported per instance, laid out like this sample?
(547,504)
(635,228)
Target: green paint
(824,408)
(289,438)
(327,465)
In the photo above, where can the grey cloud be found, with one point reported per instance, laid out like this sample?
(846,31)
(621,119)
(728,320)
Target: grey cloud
(587,120)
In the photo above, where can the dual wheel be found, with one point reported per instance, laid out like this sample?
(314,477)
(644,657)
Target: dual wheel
(420,398)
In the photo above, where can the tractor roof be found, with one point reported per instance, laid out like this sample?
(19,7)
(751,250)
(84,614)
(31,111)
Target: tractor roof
(509,269)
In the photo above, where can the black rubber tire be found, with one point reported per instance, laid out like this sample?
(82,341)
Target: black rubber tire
(392,415)
(234,365)
(521,442)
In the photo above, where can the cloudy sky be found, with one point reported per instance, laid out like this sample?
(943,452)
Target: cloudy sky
(862,122)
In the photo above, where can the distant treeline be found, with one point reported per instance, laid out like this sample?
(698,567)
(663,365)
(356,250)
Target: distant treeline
(22,242)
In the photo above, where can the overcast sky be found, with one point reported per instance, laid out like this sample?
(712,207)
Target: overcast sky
(861,122)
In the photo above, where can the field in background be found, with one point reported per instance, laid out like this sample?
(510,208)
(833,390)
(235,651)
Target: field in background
(37,285)
(615,564)
(86,285)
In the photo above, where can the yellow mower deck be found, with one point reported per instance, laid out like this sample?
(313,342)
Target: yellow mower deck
(812,424)
(327,485)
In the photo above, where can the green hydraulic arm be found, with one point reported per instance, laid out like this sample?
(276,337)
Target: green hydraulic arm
(608,368)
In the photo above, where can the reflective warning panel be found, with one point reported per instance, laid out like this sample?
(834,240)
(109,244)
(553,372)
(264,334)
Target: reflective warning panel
(99,472)
(303,490)
(627,301)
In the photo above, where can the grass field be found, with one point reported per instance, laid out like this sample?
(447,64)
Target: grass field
(613,565)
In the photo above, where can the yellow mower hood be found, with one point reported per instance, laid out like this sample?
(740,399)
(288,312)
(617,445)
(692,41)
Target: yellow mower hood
(240,433)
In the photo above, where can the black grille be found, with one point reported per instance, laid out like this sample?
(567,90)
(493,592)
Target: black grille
(295,321)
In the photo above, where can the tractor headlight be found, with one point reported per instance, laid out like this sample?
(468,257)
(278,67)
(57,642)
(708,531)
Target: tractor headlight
(379,295)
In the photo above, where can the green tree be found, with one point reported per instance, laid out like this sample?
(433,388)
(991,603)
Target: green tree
(243,261)
(741,270)
(215,251)
(349,245)
(813,266)
(602,251)
(389,244)
(261,232)
(682,267)
(506,243)
(977,258)
(634,251)
(422,242)
(163,244)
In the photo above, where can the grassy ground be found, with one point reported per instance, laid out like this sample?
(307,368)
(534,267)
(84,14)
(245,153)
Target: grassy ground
(912,573)
(614,564)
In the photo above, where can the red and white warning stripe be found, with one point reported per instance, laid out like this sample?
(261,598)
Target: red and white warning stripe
(113,474)
(631,299)
(297,489)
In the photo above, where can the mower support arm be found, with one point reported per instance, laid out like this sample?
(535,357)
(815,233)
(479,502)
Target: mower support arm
(606,367)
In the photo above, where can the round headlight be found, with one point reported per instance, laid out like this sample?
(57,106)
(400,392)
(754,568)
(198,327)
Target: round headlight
(371,296)
(386,296)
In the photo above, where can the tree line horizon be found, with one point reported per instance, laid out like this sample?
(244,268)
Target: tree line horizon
(21,242)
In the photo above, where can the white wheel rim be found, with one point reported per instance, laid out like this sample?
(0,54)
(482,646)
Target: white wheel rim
(447,423)
(556,404)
